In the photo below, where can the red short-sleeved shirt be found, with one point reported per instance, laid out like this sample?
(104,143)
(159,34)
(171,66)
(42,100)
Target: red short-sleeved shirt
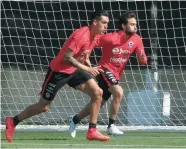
(81,43)
(116,50)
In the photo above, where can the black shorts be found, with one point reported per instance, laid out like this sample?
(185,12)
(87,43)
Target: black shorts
(105,80)
(55,80)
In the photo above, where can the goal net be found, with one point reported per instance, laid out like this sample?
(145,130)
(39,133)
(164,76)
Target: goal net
(34,31)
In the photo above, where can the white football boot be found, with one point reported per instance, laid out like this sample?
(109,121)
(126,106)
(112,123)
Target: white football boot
(72,128)
(113,130)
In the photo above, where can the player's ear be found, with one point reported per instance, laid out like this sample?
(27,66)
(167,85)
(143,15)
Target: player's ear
(123,26)
(94,22)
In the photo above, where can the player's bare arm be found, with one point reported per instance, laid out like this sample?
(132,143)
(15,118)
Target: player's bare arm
(87,61)
(142,59)
(140,52)
(69,59)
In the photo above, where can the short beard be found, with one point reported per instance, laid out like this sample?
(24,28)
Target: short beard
(129,33)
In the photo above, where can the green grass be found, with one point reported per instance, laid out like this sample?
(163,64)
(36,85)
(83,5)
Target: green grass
(63,140)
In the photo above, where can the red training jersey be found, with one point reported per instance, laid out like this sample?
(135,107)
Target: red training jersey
(81,43)
(116,50)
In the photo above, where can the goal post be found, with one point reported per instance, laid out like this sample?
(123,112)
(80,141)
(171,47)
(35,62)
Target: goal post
(34,31)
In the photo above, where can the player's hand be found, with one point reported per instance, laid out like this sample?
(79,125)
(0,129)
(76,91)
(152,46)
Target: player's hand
(95,70)
(142,59)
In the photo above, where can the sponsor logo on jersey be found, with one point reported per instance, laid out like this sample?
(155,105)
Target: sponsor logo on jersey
(120,51)
(118,60)
(116,51)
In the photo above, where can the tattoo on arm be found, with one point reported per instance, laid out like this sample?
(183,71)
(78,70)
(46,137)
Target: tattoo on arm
(70,60)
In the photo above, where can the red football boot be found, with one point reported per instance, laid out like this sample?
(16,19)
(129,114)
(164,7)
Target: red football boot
(10,129)
(94,134)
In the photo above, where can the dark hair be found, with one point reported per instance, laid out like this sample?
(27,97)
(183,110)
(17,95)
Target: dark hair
(98,14)
(125,16)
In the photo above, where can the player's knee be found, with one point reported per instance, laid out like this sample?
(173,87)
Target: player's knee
(45,108)
(119,95)
(98,92)
(44,105)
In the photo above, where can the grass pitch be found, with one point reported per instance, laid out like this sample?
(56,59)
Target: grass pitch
(128,140)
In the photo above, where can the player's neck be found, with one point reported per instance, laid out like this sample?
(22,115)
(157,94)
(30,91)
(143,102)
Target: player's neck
(92,32)
(127,35)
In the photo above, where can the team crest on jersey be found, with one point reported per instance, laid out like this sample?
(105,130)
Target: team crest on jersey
(131,44)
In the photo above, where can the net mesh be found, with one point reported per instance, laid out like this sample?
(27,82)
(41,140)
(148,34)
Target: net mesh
(33,32)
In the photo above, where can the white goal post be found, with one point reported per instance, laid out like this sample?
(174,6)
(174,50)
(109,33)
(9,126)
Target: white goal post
(34,31)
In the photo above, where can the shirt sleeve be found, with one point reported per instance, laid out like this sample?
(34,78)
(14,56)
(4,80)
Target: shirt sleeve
(76,41)
(102,40)
(140,52)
